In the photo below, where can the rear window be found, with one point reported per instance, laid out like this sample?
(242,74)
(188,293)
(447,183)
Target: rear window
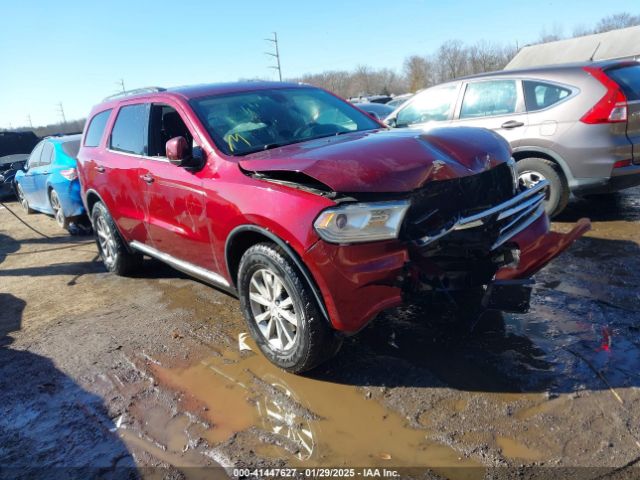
(629,80)
(96,129)
(71,148)
(540,95)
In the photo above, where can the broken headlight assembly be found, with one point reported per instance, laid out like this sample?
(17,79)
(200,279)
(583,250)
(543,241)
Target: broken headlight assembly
(361,222)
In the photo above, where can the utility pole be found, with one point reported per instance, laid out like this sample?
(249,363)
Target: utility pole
(121,83)
(274,40)
(30,122)
(61,112)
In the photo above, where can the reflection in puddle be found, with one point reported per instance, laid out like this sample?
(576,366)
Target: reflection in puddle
(278,419)
(317,422)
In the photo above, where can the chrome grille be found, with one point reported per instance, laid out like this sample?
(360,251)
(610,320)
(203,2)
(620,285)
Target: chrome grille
(506,219)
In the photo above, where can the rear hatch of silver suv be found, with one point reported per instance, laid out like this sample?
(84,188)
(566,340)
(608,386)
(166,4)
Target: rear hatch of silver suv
(627,76)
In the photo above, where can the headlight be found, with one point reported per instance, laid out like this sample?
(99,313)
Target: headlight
(1,178)
(361,222)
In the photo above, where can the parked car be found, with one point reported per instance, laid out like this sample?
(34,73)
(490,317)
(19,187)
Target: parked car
(17,142)
(9,165)
(379,111)
(14,148)
(49,183)
(575,126)
(371,99)
(399,100)
(313,213)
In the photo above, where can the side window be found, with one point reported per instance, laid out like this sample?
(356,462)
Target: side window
(96,129)
(165,124)
(129,132)
(433,105)
(539,95)
(489,98)
(34,158)
(47,154)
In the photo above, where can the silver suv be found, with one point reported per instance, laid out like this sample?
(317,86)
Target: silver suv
(577,126)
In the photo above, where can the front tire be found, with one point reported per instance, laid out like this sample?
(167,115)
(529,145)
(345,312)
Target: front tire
(24,203)
(533,170)
(113,251)
(281,312)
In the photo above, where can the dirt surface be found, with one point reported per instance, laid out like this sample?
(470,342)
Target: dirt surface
(107,372)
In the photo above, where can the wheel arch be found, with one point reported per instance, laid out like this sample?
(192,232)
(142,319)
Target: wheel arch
(520,153)
(245,236)
(90,199)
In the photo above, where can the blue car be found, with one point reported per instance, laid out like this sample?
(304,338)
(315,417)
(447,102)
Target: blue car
(49,183)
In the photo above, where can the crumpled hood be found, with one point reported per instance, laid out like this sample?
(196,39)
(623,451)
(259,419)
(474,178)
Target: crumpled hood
(386,161)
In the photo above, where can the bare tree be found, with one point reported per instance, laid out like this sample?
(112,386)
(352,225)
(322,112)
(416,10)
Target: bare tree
(418,72)
(452,60)
(618,20)
(554,34)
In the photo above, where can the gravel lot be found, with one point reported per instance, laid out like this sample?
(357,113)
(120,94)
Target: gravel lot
(109,372)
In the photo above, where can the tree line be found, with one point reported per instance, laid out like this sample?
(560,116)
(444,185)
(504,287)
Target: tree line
(452,59)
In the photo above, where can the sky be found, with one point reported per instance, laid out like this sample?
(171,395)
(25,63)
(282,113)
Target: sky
(75,52)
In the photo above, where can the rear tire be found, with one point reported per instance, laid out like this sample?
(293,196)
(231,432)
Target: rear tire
(23,200)
(281,312)
(58,212)
(532,170)
(113,251)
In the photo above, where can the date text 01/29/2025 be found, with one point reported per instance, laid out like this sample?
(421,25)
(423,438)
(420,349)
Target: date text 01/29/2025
(315,472)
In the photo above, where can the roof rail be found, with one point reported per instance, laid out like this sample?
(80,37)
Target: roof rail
(135,91)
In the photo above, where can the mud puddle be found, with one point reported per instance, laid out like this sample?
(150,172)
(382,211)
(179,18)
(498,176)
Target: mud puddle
(310,422)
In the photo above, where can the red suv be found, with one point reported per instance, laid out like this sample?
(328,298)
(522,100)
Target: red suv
(313,213)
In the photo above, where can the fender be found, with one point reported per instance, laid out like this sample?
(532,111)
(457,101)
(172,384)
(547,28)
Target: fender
(289,251)
(557,158)
(86,207)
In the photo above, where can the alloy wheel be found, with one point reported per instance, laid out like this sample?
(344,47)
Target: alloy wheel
(57,209)
(273,310)
(530,178)
(106,241)
(21,197)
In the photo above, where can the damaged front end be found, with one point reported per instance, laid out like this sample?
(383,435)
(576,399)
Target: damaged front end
(481,232)
(474,241)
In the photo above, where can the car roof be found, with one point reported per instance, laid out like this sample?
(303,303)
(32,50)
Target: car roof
(64,138)
(195,91)
(549,69)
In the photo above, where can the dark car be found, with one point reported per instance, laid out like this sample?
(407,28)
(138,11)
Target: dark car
(313,213)
(14,151)
(17,142)
(9,165)
(379,111)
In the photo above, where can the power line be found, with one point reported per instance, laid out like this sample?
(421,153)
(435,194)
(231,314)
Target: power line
(274,40)
(121,83)
(30,122)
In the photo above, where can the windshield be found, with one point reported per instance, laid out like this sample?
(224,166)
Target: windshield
(249,122)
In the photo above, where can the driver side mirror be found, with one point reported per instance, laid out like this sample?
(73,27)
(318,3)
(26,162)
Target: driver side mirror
(391,122)
(176,148)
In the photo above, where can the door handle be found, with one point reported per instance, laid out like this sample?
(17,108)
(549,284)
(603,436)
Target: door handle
(99,169)
(147,178)
(512,124)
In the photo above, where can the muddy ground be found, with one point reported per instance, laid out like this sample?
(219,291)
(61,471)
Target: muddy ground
(106,372)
